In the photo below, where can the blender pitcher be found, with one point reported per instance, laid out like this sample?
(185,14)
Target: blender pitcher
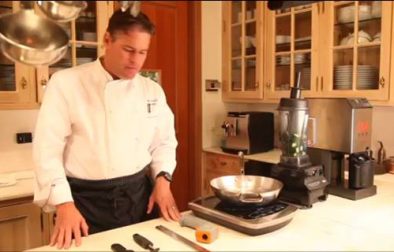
(293,120)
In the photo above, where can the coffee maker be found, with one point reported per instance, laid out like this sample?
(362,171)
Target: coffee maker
(340,137)
(250,132)
(304,182)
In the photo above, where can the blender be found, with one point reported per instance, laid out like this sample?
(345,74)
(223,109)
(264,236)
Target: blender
(304,182)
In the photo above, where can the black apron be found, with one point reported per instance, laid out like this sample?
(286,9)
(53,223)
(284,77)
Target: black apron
(113,203)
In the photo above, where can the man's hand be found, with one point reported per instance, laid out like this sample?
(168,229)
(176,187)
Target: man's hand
(163,197)
(69,221)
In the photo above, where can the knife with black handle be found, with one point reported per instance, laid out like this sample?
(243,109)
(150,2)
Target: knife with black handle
(144,243)
(116,247)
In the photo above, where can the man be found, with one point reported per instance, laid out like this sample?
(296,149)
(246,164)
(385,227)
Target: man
(100,128)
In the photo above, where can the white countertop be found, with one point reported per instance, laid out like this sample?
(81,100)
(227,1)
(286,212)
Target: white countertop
(16,185)
(272,156)
(336,224)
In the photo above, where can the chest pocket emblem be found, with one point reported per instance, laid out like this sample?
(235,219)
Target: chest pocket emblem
(151,106)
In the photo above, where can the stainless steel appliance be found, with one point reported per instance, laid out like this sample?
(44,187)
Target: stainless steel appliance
(304,183)
(248,219)
(340,138)
(249,132)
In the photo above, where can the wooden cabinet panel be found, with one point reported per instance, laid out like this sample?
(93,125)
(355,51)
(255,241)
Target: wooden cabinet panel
(48,224)
(20,227)
(217,165)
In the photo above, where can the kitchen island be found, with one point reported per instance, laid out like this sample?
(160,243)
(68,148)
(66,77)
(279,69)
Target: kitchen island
(336,224)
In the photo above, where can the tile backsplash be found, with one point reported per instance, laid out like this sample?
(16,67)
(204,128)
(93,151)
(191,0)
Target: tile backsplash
(13,156)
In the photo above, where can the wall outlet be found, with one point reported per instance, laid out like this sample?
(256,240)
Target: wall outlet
(212,85)
(24,137)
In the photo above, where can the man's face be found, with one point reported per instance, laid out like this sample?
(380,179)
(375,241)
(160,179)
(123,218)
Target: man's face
(125,53)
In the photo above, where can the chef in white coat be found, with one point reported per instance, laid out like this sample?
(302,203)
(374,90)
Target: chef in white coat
(104,135)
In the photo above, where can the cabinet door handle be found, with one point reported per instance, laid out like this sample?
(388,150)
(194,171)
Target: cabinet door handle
(268,85)
(317,83)
(321,83)
(318,8)
(322,7)
(44,83)
(23,83)
(256,85)
(381,82)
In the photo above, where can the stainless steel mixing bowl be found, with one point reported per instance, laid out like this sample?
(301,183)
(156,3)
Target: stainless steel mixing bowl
(31,39)
(62,11)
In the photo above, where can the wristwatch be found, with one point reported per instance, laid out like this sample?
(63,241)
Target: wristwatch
(166,175)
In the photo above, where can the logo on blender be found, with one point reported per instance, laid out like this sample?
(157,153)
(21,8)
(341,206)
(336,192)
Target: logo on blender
(362,127)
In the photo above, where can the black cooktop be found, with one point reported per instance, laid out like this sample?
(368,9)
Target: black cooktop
(249,219)
(242,211)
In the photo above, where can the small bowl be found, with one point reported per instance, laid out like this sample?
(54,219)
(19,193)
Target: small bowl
(363,34)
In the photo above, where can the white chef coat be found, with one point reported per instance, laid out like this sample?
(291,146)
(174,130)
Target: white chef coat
(93,127)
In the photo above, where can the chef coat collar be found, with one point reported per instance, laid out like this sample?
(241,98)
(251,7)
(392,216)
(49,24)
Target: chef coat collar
(108,76)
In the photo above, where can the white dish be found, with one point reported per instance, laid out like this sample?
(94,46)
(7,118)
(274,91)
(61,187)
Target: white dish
(376,9)
(280,39)
(89,36)
(303,39)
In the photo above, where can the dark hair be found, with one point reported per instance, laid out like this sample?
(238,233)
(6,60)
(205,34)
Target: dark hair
(123,21)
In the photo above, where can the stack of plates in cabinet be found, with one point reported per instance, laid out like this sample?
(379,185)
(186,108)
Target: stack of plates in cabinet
(343,76)
(367,77)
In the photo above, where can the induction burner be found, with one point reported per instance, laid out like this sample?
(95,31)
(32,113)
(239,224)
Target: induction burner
(248,219)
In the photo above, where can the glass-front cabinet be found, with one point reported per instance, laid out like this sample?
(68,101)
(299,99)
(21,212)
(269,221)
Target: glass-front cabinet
(242,34)
(356,49)
(292,50)
(16,80)
(85,45)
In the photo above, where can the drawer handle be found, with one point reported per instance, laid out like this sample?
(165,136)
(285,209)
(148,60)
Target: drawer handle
(223,163)
(23,83)
(381,82)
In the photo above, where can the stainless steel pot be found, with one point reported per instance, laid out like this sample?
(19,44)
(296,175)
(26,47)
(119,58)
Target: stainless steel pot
(62,11)
(246,189)
(31,39)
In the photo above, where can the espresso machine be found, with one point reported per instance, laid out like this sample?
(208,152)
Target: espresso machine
(340,137)
(304,182)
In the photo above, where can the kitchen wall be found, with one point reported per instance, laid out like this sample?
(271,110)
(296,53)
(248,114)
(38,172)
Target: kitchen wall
(214,110)
(13,156)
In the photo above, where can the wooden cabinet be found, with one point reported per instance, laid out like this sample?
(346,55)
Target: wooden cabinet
(20,226)
(217,165)
(48,225)
(242,50)
(355,49)
(338,48)
(17,83)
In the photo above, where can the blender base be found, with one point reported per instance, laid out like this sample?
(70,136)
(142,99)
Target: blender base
(302,185)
